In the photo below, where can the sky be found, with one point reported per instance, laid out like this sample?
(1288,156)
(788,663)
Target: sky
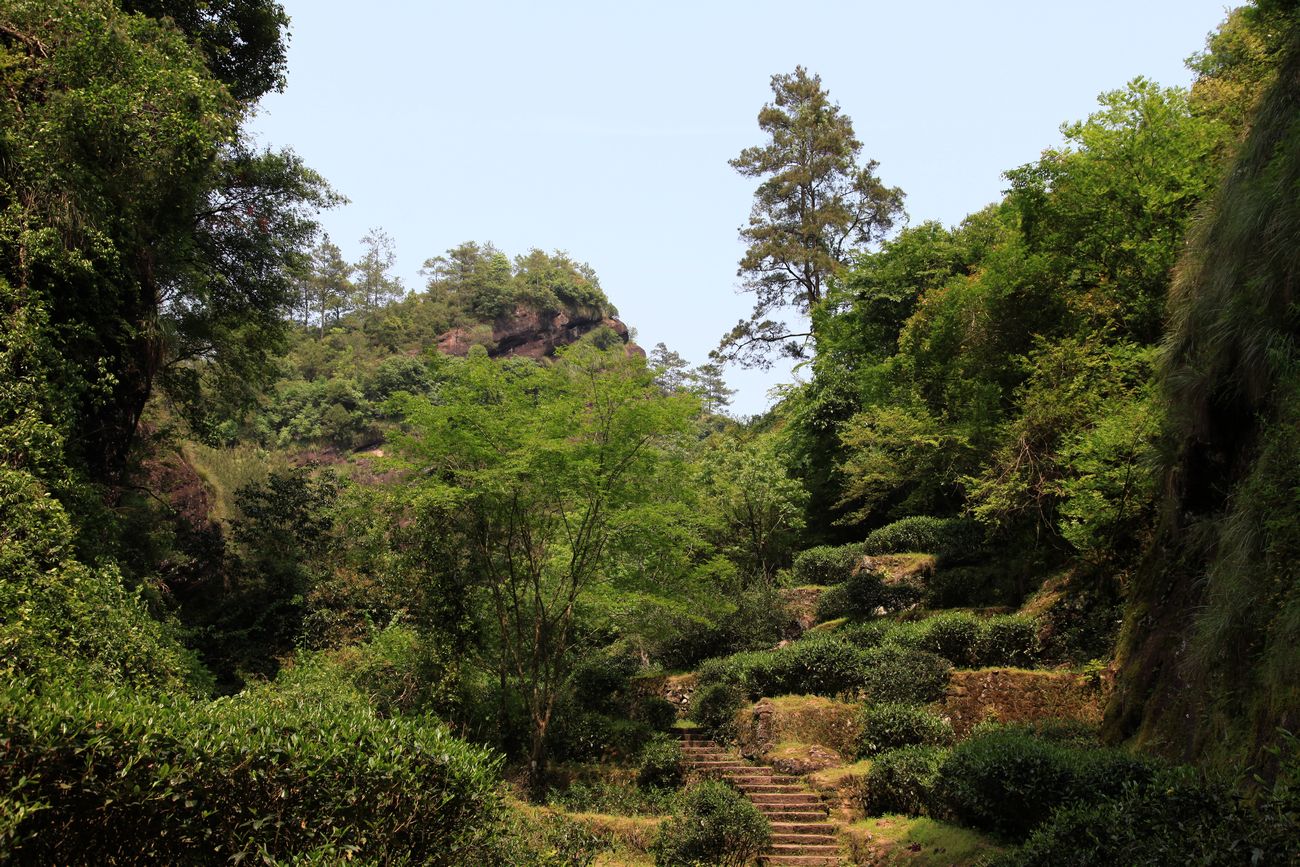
(604,129)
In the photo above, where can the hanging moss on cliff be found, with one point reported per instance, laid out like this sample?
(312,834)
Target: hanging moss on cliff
(1209,663)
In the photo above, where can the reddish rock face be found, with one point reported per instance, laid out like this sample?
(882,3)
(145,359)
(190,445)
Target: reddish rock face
(534,334)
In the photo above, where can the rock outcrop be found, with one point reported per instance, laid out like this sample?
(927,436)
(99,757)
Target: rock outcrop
(531,333)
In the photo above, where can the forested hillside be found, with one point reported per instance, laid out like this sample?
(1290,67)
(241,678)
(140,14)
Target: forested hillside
(300,564)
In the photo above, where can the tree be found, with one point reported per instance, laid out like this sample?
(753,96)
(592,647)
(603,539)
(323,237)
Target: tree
(159,240)
(758,507)
(331,282)
(538,468)
(815,205)
(374,287)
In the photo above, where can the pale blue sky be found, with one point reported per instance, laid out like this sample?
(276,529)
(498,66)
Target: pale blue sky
(604,129)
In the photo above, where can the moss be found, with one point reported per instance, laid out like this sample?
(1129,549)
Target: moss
(1207,655)
(1020,695)
(920,841)
(802,719)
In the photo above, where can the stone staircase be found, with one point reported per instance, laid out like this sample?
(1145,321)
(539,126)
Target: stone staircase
(801,834)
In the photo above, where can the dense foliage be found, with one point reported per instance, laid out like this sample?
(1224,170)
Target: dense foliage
(302,565)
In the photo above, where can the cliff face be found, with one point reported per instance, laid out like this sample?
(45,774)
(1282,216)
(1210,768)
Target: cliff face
(531,333)
(1208,663)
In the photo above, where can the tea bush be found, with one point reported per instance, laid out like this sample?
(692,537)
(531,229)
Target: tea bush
(656,712)
(282,770)
(662,763)
(954,635)
(889,725)
(894,674)
(947,538)
(826,564)
(712,823)
(1007,640)
(714,707)
(1007,782)
(858,597)
(905,780)
(1177,818)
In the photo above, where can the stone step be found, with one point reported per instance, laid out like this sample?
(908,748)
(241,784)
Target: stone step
(805,839)
(832,850)
(756,779)
(803,828)
(790,800)
(799,860)
(800,813)
(764,789)
(801,836)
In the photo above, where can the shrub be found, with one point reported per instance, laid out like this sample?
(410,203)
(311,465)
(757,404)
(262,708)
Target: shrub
(583,735)
(891,725)
(949,539)
(894,674)
(826,564)
(904,780)
(600,679)
(712,824)
(859,597)
(1176,819)
(740,669)
(537,839)
(714,707)
(655,711)
(813,666)
(661,763)
(1008,782)
(954,635)
(821,665)
(873,633)
(292,768)
(1008,640)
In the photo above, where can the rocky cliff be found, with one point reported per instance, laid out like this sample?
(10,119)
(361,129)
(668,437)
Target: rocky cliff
(531,333)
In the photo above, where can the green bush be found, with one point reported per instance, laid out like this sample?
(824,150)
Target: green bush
(905,780)
(1177,818)
(545,840)
(600,679)
(712,823)
(813,666)
(950,539)
(872,633)
(894,674)
(859,597)
(1007,782)
(821,665)
(1007,640)
(954,635)
(655,711)
(661,763)
(713,707)
(679,640)
(582,735)
(891,725)
(826,564)
(283,770)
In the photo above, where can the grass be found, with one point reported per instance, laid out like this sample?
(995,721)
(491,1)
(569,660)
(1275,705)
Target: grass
(225,471)
(917,841)
(834,777)
(829,625)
